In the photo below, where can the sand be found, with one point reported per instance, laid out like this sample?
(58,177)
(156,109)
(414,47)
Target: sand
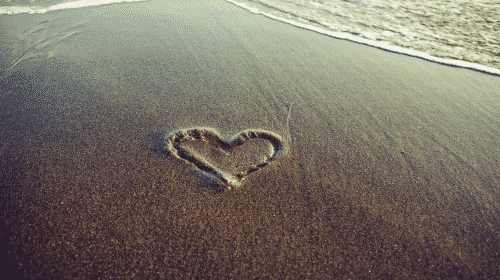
(375,165)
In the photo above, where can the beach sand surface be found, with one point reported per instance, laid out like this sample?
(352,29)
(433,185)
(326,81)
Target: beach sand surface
(367,164)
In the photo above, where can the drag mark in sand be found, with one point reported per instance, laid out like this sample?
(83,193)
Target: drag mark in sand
(43,39)
(210,137)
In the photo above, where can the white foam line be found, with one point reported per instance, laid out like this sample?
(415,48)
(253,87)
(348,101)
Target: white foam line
(380,45)
(63,6)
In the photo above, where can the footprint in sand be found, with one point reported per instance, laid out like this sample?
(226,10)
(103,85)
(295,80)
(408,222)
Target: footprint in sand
(229,162)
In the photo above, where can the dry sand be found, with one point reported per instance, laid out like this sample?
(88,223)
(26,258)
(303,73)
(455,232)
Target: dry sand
(388,165)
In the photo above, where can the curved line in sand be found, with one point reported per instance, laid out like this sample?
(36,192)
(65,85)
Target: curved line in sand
(288,122)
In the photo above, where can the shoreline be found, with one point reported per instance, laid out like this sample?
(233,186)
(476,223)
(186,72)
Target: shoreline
(338,35)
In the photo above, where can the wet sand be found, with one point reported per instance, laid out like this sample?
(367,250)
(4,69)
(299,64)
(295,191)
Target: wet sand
(370,164)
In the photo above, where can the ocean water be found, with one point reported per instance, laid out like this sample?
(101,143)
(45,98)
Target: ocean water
(463,33)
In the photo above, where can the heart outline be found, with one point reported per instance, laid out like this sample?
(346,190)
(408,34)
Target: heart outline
(177,137)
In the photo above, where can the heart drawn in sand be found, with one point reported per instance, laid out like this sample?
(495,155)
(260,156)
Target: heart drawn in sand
(180,142)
